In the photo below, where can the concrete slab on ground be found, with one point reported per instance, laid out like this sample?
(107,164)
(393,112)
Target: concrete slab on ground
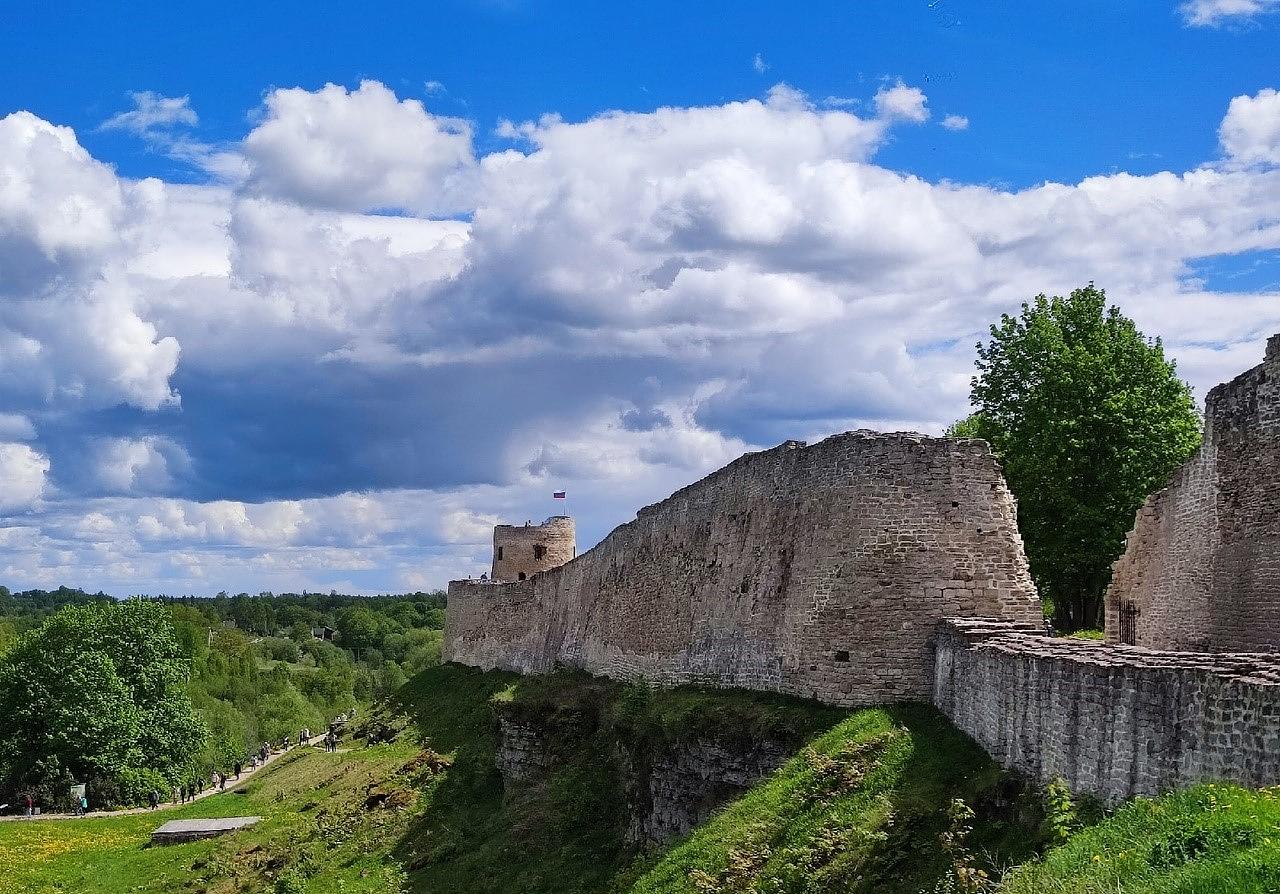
(176,831)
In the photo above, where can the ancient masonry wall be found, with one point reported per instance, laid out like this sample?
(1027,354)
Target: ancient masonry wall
(819,571)
(1113,721)
(1201,569)
(521,551)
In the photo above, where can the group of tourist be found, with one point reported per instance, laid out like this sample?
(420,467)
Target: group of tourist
(217,780)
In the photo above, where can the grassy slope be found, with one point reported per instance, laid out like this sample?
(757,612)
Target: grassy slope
(315,820)
(861,812)
(1213,839)
(861,808)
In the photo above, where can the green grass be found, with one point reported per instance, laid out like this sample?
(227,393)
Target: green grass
(316,826)
(863,806)
(860,810)
(1089,634)
(1213,839)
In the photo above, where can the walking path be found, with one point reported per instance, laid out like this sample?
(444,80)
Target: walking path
(165,805)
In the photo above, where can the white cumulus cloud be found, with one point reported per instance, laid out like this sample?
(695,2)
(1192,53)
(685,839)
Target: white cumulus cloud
(902,102)
(1250,132)
(363,149)
(955,122)
(23,473)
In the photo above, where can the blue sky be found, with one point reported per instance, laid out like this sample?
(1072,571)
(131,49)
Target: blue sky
(1061,90)
(313,294)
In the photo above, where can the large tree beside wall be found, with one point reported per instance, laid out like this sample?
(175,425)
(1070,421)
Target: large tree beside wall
(1088,417)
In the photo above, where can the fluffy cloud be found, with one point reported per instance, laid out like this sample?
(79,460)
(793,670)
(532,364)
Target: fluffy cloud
(955,122)
(902,102)
(259,385)
(22,476)
(72,331)
(138,465)
(359,150)
(1250,133)
(1214,13)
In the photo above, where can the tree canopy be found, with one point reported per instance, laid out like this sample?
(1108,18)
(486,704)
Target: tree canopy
(1088,417)
(95,693)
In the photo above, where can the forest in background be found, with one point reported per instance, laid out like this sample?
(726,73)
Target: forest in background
(145,693)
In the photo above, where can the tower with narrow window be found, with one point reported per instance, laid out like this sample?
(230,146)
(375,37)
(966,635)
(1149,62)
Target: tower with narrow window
(521,551)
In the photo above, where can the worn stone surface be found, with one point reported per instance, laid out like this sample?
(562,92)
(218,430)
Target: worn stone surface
(819,571)
(684,783)
(1113,721)
(521,551)
(1201,569)
(523,752)
(669,788)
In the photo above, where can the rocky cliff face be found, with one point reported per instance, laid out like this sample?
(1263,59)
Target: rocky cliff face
(670,788)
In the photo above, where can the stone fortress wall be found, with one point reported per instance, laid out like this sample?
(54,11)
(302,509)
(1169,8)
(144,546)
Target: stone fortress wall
(1113,721)
(876,568)
(521,551)
(1201,570)
(819,571)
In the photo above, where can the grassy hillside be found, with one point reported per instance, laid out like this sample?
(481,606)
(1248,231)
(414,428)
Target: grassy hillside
(860,808)
(320,833)
(1213,839)
(890,800)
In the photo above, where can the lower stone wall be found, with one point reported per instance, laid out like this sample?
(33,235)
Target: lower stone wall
(1113,721)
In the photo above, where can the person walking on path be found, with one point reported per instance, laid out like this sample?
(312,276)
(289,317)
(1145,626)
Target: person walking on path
(31,805)
(153,798)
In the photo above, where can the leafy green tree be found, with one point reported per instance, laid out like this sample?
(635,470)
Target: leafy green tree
(95,691)
(1088,417)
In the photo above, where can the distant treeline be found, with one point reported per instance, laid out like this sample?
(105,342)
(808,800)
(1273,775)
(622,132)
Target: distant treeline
(224,674)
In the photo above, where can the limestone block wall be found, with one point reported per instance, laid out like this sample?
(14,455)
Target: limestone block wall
(1201,568)
(1113,721)
(521,551)
(819,571)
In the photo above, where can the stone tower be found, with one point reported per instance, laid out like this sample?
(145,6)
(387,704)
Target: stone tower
(521,551)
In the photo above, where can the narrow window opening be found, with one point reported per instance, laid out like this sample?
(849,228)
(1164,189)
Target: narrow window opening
(521,576)
(955,504)
(842,655)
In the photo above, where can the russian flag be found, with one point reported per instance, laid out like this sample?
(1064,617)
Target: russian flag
(557,495)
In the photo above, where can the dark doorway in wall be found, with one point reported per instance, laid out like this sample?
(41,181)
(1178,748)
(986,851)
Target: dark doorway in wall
(499,554)
(539,551)
(521,576)
(1129,624)
(842,655)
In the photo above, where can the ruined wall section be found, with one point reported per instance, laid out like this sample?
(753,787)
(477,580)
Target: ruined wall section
(1159,594)
(818,571)
(1201,568)
(1113,721)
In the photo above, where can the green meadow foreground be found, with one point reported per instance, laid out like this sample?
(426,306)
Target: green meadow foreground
(881,800)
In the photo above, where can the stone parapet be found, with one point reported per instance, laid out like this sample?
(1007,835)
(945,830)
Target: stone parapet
(1113,721)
